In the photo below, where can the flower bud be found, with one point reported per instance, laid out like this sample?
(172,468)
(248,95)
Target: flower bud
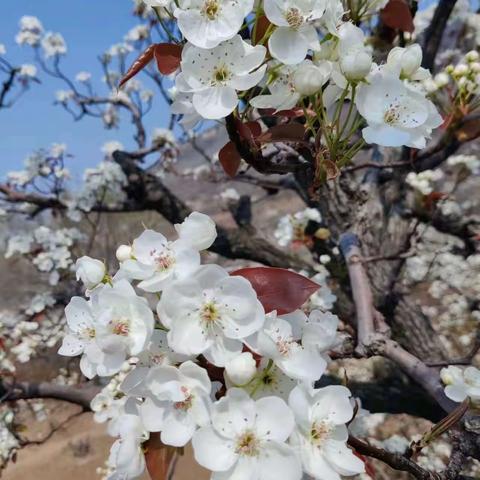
(441,79)
(124,252)
(472,56)
(411,60)
(90,271)
(241,369)
(356,64)
(309,79)
(475,67)
(460,69)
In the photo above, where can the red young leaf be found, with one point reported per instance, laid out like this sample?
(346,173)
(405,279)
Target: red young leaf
(262,26)
(397,15)
(230,159)
(249,131)
(168,56)
(278,289)
(139,64)
(290,132)
(158,457)
(369,468)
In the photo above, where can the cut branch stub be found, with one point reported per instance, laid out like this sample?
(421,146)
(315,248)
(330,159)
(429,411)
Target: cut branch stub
(278,289)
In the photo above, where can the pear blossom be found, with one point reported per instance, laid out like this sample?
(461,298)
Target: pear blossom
(214,76)
(90,271)
(295,33)
(183,105)
(355,60)
(321,433)
(406,62)
(310,78)
(198,230)
(154,260)
(174,401)
(279,340)
(283,93)
(396,115)
(246,439)
(114,323)
(241,369)
(207,23)
(123,252)
(126,459)
(461,384)
(210,313)
(270,381)
(53,44)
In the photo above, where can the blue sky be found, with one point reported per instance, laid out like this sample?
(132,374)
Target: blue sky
(89,27)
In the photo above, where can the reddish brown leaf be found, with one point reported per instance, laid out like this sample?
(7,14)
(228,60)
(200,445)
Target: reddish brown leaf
(278,289)
(262,26)
(397,15)
(290,132)
(369,468)
(139,64)
(168,56)
(158,457)
(230,159)
(249,130)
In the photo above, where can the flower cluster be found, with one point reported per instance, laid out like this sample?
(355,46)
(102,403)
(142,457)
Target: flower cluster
(207,363)
(277,54)
(49,249)
(461,384)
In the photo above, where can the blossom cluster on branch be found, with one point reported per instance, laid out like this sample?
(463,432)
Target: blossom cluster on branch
(224,360)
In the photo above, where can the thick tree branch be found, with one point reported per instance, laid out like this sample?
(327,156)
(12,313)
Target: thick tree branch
(28,390)
(434,32)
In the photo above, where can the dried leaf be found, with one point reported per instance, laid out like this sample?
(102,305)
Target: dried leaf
(331,169)
(397,15)
(230,159)
(139,64)
(279,289)
(168,56)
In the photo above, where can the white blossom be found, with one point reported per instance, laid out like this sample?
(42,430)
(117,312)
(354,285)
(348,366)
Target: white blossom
(207,23)
(246,439)
(321,434)
(295,33)
(461,384)
(214,76)
(210,313)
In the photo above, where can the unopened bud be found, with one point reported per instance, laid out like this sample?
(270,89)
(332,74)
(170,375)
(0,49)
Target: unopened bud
(308,79)
(356,64)
(124,252)
(241,369)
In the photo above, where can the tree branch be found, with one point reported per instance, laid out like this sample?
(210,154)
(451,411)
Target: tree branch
(434,32)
